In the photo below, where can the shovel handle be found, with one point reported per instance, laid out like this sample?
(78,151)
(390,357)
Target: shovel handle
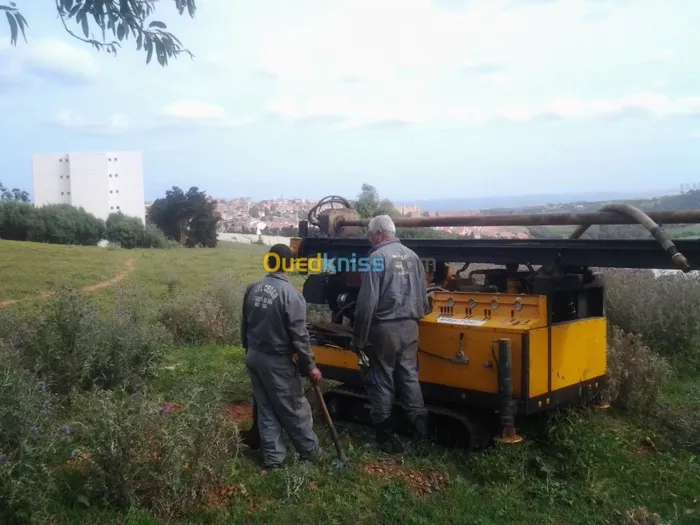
(331,426)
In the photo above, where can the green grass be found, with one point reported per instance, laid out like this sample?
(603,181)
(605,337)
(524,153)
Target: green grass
(28,268)
(579,467)
(585,468)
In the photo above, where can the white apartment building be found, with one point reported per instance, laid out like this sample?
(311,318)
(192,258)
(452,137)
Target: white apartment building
(100,183)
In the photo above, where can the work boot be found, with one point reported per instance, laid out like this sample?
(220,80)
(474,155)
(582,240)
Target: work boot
(386,440)
(420,428)
(319,457)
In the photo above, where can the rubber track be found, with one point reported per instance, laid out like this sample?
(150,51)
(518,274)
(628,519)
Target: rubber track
(481,434)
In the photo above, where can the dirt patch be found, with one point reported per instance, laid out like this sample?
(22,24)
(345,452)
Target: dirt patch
(240,411)
(171,407)
(130,266)
(418,482)
(220,495)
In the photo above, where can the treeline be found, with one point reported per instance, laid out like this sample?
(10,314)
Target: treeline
(188,219)
(66,224)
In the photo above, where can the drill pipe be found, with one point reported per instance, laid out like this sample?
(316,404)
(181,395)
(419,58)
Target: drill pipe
(536,219)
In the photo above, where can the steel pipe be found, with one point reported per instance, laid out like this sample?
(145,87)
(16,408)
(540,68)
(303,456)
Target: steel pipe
(536,219)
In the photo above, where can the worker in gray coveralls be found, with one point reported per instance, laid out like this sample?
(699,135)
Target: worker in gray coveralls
(273,329)
(389,305)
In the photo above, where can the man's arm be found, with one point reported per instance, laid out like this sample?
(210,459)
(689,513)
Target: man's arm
(295,318)
(244,320)
(423,287)
(366,306)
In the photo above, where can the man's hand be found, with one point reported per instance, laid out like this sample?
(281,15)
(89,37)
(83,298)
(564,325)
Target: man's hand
(315,376)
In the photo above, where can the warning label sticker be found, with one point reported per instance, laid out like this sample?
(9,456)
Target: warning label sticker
(467,322)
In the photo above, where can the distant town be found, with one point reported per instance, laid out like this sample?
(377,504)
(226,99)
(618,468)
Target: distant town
(281,217)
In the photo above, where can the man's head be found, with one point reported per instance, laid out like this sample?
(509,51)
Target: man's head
(381,228)
(279,258)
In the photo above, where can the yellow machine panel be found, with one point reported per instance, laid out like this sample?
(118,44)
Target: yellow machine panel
(458,346)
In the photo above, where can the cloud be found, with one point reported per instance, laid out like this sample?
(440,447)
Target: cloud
(62,63)
(195,113)
(349,113)
(396,37)
(664,55)
(184,114)
(48,61)
(68,119)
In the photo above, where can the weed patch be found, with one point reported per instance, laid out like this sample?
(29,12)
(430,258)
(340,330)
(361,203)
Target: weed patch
(637,376)
(71,344)
(212,316)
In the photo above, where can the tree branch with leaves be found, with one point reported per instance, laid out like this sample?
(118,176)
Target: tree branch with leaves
(122,19)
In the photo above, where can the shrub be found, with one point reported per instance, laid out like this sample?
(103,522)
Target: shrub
(154,237)
(210,316)
(54,224)
(130,232)
(636,375)
(71,344)
(140,451)
(20,222)
(25,441)
(66,224)
(662,310)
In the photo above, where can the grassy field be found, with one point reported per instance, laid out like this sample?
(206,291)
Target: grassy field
(113,376)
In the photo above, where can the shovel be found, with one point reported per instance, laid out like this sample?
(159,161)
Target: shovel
(331,427)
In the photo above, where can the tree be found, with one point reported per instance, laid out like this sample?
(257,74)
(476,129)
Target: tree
(188,218)
(14,195)
(369,204)
(119,18)
(129,232)
(254,212)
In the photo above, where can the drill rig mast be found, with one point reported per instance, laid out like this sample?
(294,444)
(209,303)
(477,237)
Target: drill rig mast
(500,343)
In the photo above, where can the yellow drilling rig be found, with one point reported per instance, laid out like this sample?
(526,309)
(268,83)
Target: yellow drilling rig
(521,338)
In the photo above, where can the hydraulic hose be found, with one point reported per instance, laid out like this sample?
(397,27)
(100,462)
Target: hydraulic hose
(654,229)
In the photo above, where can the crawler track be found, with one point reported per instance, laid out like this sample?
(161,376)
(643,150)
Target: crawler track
(446,426)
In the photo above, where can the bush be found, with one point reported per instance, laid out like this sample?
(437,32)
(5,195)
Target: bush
(130,232)
(71,344)
(54,224)
(637,376)
(211,316)
(662,310)
(25,439)
(140,451)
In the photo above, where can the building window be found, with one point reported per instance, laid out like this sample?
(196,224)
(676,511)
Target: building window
(110,175)
(61,193)
(68,193)
(117,207)
(116,174)
(61,176)
(68,176)
(111,191)
(110,159)
(111,207)
(117,191)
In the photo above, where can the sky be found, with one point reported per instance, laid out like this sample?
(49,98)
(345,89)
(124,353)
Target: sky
(421,98)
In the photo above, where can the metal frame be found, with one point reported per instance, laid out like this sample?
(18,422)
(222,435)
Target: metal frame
(642,254)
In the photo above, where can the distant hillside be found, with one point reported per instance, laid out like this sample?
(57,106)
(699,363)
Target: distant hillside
(513,201)
(684,201)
